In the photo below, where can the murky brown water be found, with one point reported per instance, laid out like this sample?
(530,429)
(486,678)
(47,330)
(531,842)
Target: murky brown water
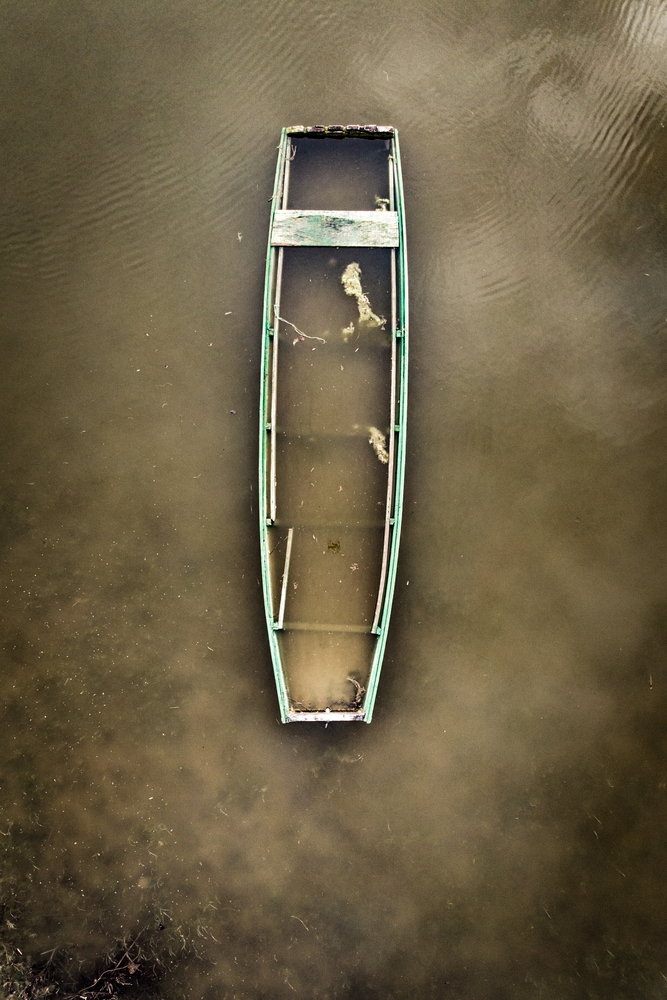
(497,831)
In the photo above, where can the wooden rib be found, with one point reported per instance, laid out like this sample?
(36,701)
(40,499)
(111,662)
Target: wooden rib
(317,627)
(274,356)
(392,423)
(333,525)
(301,436)
(283,593)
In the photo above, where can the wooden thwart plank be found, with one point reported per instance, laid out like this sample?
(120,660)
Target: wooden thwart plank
(309,228)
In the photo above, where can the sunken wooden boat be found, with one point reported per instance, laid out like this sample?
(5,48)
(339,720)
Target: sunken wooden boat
(333,416)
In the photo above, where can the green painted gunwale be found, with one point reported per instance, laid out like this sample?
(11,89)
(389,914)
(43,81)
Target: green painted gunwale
(365,712)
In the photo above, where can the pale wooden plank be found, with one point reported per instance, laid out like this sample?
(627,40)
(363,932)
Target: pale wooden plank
(283,595)
(311,228)
(326,716)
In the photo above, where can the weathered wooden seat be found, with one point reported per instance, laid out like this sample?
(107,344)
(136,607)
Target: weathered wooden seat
(296,227)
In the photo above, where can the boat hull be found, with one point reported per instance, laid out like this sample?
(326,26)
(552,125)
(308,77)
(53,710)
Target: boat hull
(333,409)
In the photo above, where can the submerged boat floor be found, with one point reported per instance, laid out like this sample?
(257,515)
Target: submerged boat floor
(320,665)
(331,491)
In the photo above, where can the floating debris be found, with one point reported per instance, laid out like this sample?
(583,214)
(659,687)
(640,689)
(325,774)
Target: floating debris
(381,204)
(301,335)
(351,282)
(379,442)
(348,331)
(359,693)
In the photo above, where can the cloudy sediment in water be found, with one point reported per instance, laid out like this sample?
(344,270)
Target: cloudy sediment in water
(496,831)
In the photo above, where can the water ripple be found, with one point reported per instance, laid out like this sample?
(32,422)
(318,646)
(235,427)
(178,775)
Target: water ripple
(592,107)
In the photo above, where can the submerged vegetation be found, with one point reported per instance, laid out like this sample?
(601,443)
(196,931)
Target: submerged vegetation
(132,967)
(379,442)
(351,282)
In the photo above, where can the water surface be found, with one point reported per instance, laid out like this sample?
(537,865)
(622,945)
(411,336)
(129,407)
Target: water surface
(496,831)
